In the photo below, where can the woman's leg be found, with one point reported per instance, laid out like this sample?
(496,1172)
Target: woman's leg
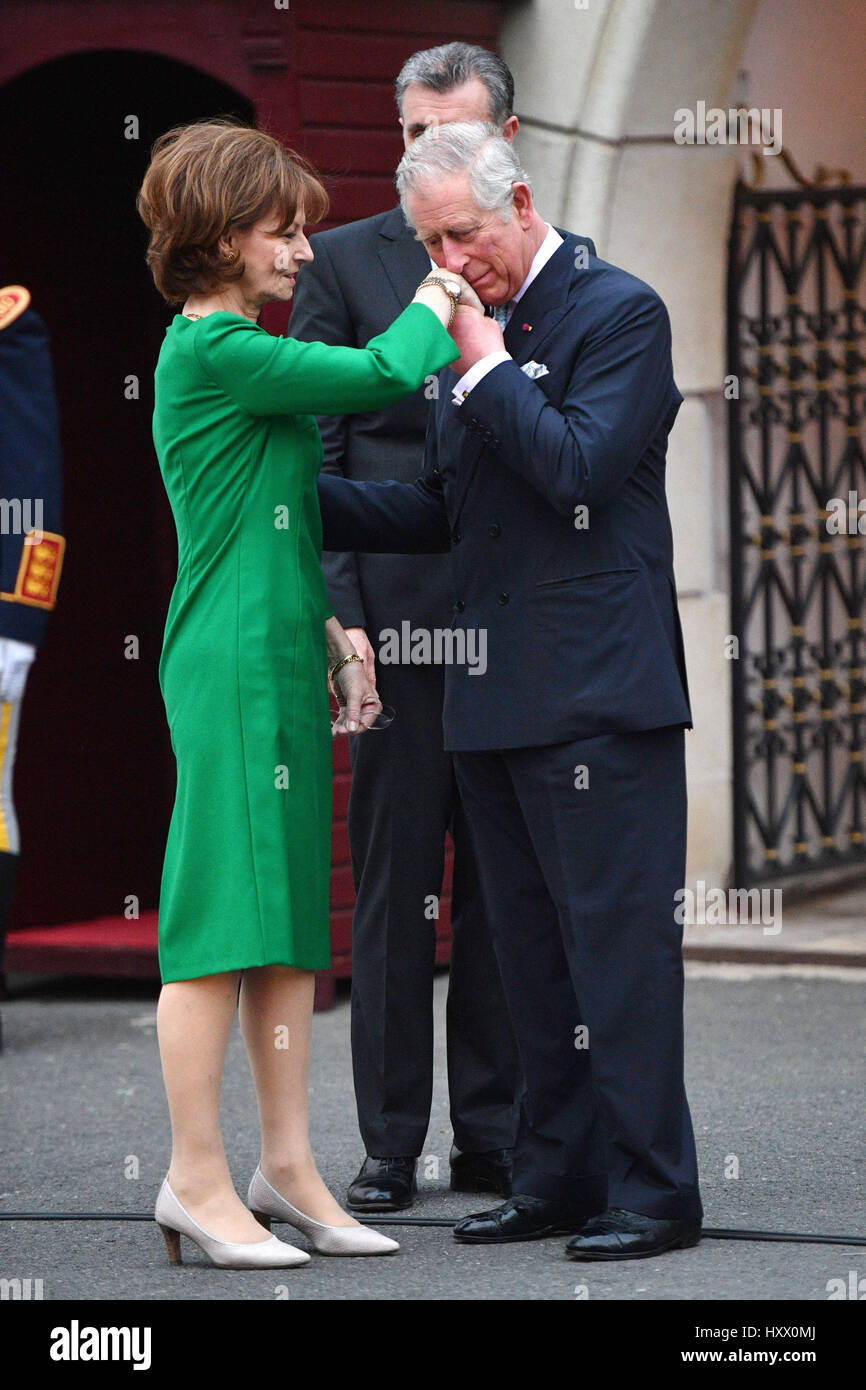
(194,1019)
(276,1010)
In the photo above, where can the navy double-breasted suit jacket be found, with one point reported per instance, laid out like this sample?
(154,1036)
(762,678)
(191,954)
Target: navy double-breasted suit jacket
(549,491)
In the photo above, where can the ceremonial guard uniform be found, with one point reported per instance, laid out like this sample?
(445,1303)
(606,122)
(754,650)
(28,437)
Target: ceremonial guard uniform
(31,548)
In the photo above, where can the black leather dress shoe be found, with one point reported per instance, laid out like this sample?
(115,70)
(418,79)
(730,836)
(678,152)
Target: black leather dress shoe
(481,1172)
(383,1184)
(629,1235)
(521,1218)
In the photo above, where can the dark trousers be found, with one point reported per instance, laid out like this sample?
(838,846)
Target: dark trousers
(403,799)
(579,885)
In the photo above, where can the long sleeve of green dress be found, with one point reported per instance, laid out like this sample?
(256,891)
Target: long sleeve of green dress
(281,376)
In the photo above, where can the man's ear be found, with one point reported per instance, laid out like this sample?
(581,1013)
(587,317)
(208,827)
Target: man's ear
(510,129)
(522,197)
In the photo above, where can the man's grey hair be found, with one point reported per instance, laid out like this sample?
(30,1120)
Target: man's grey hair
(449,66)
(475,147)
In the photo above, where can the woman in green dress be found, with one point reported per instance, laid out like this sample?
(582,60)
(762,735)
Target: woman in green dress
(249,638)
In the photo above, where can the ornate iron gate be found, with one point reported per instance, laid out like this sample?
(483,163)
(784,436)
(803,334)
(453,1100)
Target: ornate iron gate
(797,351)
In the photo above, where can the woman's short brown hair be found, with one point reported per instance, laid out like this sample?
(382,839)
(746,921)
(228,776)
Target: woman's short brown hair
(206,178)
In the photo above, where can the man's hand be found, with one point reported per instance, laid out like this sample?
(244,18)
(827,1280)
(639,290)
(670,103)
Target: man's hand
(476,336)
(361,642)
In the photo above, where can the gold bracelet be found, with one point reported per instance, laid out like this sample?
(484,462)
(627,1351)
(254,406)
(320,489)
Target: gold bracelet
(353,656)
(452,292)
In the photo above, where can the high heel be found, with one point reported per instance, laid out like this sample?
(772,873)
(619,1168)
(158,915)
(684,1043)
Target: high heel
(266,1204)
(174,1221)
(172,1240)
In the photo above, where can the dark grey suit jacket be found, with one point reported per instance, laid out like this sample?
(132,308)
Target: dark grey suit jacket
(363,275)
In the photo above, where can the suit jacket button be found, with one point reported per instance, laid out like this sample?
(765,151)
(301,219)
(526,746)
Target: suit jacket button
(487,436)
(503,597)
(456,535)
(495,529)
(460,605)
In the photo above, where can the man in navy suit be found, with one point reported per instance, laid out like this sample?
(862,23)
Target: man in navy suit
(362,275)
(544,476)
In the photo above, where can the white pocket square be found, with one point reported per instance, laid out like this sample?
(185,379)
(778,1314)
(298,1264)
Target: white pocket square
(535,369)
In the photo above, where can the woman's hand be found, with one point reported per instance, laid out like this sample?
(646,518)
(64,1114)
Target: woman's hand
(468,297)
(357,698)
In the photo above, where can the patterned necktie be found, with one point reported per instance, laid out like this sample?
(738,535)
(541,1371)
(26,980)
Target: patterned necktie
(500,313)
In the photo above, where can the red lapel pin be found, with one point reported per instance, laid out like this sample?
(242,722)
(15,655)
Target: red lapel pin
(527,328)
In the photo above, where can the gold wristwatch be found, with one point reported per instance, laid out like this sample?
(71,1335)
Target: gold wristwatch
(452,291)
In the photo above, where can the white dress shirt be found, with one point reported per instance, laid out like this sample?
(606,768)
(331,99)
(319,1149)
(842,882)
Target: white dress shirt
(486,364)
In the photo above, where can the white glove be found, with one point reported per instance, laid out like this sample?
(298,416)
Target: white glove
(15,659)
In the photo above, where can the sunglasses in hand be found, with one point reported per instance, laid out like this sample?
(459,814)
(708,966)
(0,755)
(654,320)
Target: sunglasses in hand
(384,717)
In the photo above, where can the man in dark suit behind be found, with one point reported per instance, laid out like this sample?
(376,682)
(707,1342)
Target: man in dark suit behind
(544,475)
(404,794)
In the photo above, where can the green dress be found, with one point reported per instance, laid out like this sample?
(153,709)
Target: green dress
(244,663)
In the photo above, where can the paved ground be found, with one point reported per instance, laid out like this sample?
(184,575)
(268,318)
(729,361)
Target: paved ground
(823,929)
(776,1081)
